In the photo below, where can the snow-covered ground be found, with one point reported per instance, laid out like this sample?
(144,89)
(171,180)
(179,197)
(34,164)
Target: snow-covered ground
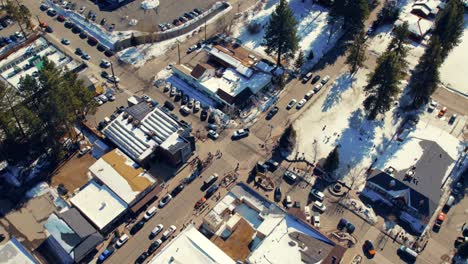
(312,30)
(338,119)
(149,4)
(453,72)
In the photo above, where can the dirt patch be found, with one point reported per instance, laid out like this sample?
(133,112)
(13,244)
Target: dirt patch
(237,245)
(74,173)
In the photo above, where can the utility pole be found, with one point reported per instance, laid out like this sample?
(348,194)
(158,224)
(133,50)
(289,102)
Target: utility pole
(39,22)
(114,78)
(205,28)
(178,50)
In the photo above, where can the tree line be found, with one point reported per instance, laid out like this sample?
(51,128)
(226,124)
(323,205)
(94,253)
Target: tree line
(40,112)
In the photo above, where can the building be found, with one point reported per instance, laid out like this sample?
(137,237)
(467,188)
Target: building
(411,174)
(13,252)
(99,205)
(417,26)
(191,246)
(251,229)
(70,237)
(125,178)
(143,131)
(230,77)
(427,8)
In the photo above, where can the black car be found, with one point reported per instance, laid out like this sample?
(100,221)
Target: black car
(154,246)
(79,52)
(48,29)
(203,115)
(177,190)
(44,7)
(68,24)
(211,191)
(272,164)
(185,100)
(272,113)
(277,194)
(137,227)
(198,10)
(103,22)
(316,79)
(104,74)
(83,35)
(13,38)
(76,30)
(101,47)
(169,105)
(142,258)
(109,53)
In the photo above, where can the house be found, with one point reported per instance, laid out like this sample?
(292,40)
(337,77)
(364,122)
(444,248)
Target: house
(99,205)
(411,173)
(427,8)
(125,178)
(417,26)
(70,237)
(143,131)
(229,78)
(13,252)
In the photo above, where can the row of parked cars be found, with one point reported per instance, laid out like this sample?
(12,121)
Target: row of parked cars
(13,38)
(182,19)
(310,93)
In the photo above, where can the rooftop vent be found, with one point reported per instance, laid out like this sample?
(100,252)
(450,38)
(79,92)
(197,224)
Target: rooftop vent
(125,116)
(410,173)
(103,205)
(392,183)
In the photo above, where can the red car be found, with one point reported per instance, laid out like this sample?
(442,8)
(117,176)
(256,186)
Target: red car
(60,18)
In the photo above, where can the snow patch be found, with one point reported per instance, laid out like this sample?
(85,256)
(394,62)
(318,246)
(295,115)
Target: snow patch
(149,4)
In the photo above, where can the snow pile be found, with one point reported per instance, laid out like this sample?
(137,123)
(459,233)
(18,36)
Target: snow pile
(453,71)
(312,29)
(338,119)
(149,4)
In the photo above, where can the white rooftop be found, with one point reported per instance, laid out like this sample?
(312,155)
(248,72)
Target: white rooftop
(191,246)
(134,140)
(19,59)
(98,203)
(232,61)
(13,252)
(122,175)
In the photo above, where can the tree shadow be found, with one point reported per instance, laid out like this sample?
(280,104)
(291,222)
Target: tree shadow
(341,84)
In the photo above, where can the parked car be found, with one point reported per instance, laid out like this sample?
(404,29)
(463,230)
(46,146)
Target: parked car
(272,113)
(177,190)
(241,133)
(147,98)
(185,110)
(315,79)
(49,29)
(150,213)
(320,206)
(316,220)
(452,119)
(82,9)
(112,79)
(51,12)
(213,135)
(325,80)
(85,56)
(106,254)
(317,194)
(307,213)
(301,104)
(369,248)
(84,150)
(196,106)
(209,181)
(137,227)
(142,258)
(105,64)
(272,164)
(169,232)
(307,77)
(79,51)
(432,105)
(277,194)
(154,246)
(439,220)
(317,87)
(169,105)
(65,41)
(156,231)
(203,115)
(200,202)
(191,49)
(290,176)
(309,94)
(122,240)
(291,104)
(211,191)
(165,200)
(110,97)
(98,101)
(43,7)
(60,18)
(442,111)
(288,202)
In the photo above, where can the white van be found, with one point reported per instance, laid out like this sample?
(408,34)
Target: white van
(309,94)
(408,251)
(290,176)
(289,202)
(307,213)
(150,213)
(450,201)
(317,194)
(168,232)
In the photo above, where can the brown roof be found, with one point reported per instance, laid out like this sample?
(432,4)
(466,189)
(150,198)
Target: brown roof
(239,53)
(200,69)
(153,194)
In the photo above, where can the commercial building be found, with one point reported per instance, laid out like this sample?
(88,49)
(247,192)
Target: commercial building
(13,252)
(70,237)
(410,175)
(143,131)
(99,205)
(191,246)
(230,77)
(125,178)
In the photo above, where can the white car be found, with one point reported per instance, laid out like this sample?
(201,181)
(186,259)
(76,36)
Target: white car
(316,220)
(325,80)
(84,150)
(307,213)
(110,97)
(165,200)
(197,105)
(213,135)
(105,63)
(157,230)
(65,41)
(317,87)
(288,201)
(113,78)
(317,194)
(192,49)
(169,232)
(320,206)
(122,240)
(432,105)
(147,98)
(103,98)
(99,102)
(185,109)
(301,104)
(291,104)
(150,213)
(85,56)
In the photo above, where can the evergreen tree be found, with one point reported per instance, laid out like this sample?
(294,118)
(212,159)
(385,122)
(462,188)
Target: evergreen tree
(449,26)
(426,74)
(299,60)
(382,86)
(287,141)
(462,250)
(356,12)
(357,52)
(332,161)
(281,33)
(338,8)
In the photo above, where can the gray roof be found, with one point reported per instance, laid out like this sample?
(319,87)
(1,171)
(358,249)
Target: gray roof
(87,246)
(77,222)
(139,111)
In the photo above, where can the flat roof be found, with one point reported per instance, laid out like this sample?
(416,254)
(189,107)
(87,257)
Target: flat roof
(191,246)
(99,204)
(122,175)
(139,137)
(13,252)
(22,57)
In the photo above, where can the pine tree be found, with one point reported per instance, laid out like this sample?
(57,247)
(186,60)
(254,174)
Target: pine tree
(356,12)
(299,60)
(357,52)
(383,83)
(332,161)
(281,33)
(449,26)
(287,141)
(426,74)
